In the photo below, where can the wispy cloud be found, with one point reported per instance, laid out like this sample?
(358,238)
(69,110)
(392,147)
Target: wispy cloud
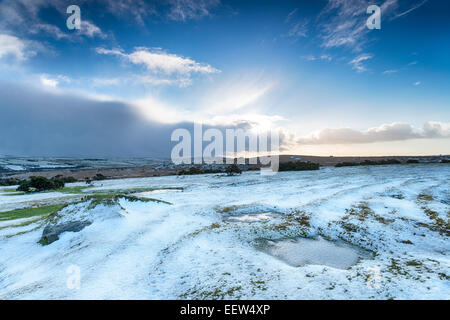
(49,29)
(139,10)
(343,22)
(324,57)
(175,10)
(391,71)
(414,7)
(290,15)
(298,28)
(87,29)
(417,83)
(182,10)
(357,63)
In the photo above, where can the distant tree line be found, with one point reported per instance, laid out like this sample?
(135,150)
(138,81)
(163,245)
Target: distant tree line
(368,163)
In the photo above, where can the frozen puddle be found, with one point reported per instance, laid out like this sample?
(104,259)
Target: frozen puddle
(251,217)
(303,251)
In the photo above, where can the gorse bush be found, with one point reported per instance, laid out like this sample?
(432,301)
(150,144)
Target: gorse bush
(99,177)
(192,170)
(298,166)
(230,170)
(233,169)
(36,184)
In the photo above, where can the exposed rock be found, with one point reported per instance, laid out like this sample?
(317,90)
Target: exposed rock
(51,233)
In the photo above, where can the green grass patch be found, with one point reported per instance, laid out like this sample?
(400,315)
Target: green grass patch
(11,192)
(73,190)
(109,199)
(30,212)
(15,193)
(134,190)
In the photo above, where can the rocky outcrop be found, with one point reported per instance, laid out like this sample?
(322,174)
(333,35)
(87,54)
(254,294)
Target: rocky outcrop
(51,232)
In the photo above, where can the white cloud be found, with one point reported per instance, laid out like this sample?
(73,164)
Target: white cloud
(117,52)
(12,46)
(387,132)
(53,81)
(164,68)
(436,129)
(90,30)
(158,61)
(48,82)
(417,83)
(357,63)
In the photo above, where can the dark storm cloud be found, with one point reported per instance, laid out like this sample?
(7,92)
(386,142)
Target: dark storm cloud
(34,123)
(41,123)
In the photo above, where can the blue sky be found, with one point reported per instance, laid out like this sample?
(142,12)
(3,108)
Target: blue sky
(309,68)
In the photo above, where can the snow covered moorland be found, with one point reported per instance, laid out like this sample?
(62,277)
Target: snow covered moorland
(378,232)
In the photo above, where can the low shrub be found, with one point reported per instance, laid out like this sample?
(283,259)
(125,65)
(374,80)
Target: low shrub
(36,184)
(298,166)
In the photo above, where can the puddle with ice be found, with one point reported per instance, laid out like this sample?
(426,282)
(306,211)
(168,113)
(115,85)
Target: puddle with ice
(318,251)
(251,217)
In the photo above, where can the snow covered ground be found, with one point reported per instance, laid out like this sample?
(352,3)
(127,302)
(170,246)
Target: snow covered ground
(205,241)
